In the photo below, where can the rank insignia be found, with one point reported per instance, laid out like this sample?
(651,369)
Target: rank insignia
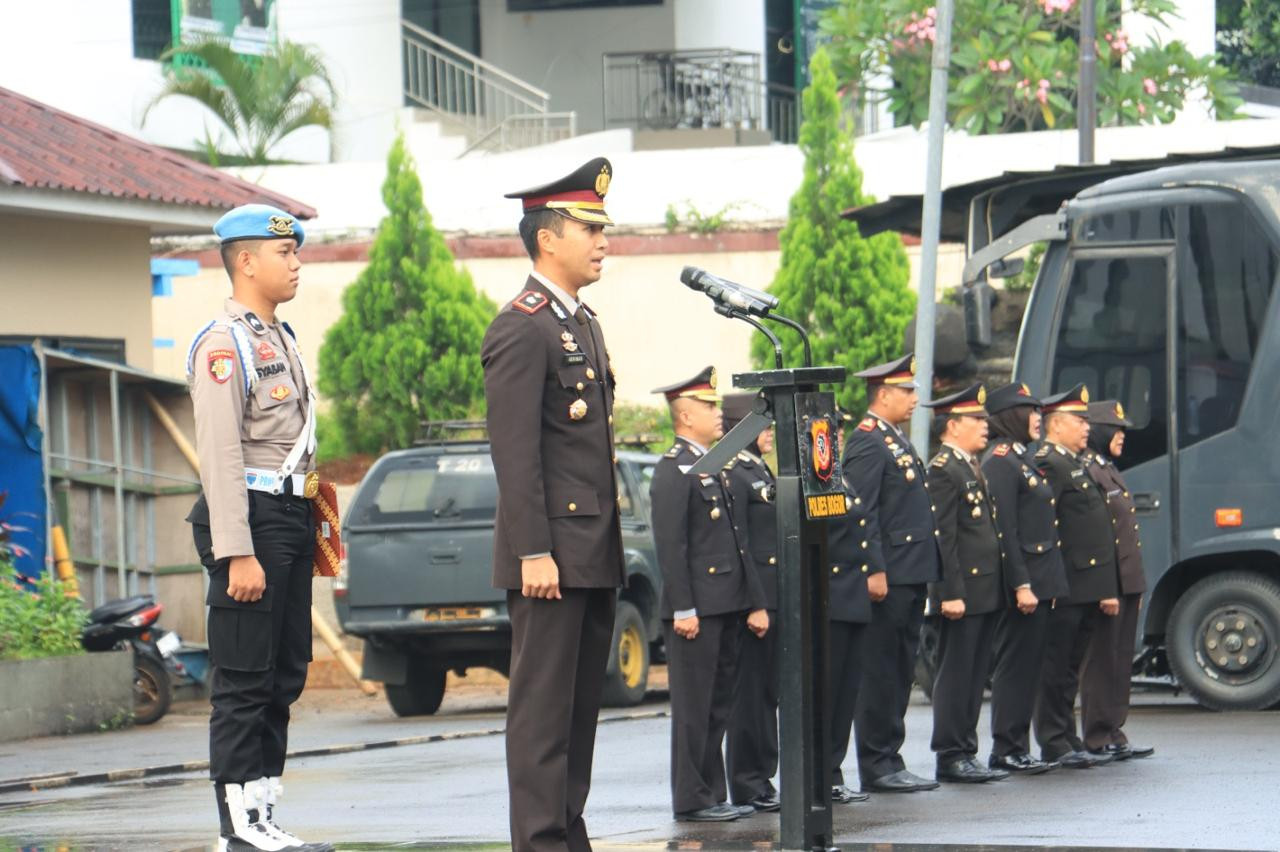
(530,302)
(1032,481)
(715,513)
(222,365)
(255,323)
(265,352)
(567,341)
(977,511)
(577,410)
(911,474)
(279,392)
(1001,450)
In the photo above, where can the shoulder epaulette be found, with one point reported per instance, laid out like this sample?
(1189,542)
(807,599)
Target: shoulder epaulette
(1001,450)
(1019,448)
(867,424)
(243,350)
(1043,452)
(941,459)
(288,328)
(530,302)
(672,453)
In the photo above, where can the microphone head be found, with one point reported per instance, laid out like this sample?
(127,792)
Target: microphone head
(690,275)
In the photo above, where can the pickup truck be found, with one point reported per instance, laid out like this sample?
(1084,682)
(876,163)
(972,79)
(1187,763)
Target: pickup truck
(415,585)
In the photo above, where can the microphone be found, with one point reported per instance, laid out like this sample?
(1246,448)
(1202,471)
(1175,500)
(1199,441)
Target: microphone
(728,294)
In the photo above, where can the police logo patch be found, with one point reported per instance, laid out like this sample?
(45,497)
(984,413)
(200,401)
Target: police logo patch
(530,302)
(222,365)
(279,392)
(281,226)
(265,352)
(866,425)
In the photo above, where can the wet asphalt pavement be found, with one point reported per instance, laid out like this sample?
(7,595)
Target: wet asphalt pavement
(1213,783)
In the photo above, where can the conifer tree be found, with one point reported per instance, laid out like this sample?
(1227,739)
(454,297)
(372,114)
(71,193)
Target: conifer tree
(850,291)
(407,346)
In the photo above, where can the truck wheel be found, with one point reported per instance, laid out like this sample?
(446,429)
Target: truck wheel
(1223,641)
(628,673)
(421,693)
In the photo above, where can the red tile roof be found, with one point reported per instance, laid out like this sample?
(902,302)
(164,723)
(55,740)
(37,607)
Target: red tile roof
(45,148)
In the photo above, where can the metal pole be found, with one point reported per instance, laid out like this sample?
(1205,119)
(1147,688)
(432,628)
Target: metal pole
(931,223)
(122,568)
(42,417)
(1087,110)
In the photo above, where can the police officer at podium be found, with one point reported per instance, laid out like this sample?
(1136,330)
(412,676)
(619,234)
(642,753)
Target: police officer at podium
(252,525)
(710,589)
(903,558)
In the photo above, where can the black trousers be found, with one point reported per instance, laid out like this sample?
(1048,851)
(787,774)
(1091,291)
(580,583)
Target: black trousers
(751,740)
(1019,654)
(892,641)
(964,661)
(559,652)
(259,651)
(846,676)
(1106,678)
(702,675)
(1070,628)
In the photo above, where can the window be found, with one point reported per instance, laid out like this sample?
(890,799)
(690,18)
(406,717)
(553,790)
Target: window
(1225,277)
(435,489)
(1130,224)
(152,28)
(1113,338)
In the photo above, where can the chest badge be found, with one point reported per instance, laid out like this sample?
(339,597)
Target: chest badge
(715,513)
(577,409)
(279,392)
(567,342)
(1033,481)
(977,511)
(911,474)
(265,352)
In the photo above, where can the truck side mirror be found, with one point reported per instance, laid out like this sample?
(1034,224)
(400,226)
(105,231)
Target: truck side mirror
(1006,268)
(978,297)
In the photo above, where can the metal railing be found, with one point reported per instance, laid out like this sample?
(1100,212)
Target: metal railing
(685,89)
(782,113)
(483,100)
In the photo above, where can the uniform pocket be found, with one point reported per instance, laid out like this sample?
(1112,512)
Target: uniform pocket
(239,633)
(270,394)
(899,538)
(572,502)
(1037,546)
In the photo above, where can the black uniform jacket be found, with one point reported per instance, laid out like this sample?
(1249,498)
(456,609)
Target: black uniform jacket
(972,554)
(1085,526)
(701,548)
(1028,518)
(847,548)
(1128,545)
(556,486)
(887,474)
(751,487)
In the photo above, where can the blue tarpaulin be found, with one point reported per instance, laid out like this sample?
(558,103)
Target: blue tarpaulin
(21,471)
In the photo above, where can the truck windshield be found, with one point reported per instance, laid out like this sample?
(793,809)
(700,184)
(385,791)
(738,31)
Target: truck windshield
(440,489)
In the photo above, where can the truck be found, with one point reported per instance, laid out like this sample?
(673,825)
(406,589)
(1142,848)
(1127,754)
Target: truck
(415,583)
(1157,288)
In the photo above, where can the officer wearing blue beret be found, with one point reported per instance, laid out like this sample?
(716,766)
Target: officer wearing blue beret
(252,525)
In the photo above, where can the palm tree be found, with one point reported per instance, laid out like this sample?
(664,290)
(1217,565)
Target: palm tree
(260,100)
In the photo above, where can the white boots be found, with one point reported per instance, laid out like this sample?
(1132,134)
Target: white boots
(246,814)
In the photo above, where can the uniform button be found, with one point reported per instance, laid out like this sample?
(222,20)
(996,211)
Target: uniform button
(711,570)
(743,552)
(1135,526)
(857,501)
(908,539)
(581,386)
(1059,542)
(1093,562)
(835,569)
(973,570)
(1133,509)
(864,544)
(999,535)
(773,560)
(610,419)
(1039,548)
(1126,493)
(933,507)
(1053,501)
(1002,554)
(864,568)
(1055,522)
(862,522)
(591,374)
(573,507)
(1117,541)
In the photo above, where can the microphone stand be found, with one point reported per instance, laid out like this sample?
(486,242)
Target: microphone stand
(734,313)
(804,336)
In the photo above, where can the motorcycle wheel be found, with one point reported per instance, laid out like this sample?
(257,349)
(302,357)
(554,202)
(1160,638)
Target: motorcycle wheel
(152,690)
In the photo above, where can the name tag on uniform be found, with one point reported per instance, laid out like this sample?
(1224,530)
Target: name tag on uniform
(1075,474)
(574,359)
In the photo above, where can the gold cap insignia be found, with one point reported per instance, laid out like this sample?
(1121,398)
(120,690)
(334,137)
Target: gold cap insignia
(913,365)
(1026,391)
(602,181)
(281,226)
(712,380)
(1119,411)
(982,395)
(1084,394)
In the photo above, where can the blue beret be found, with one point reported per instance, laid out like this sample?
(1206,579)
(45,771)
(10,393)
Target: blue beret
(258,222)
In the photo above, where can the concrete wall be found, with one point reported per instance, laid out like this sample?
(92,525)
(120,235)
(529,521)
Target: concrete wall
(61,277)
(736,24)
(65,695)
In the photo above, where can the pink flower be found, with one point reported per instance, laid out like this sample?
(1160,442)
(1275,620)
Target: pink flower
(1142,109)
(1043,96)
(992,65)
(1005,64)
(1051,6)
(1023,83)
(1149,85)
(1044,84)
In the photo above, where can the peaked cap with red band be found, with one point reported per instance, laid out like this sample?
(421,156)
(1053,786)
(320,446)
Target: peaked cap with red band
(1074,401)
(1010,396)
(900,373)
(1108,412)
(970,401)
(701,386)
(578,195)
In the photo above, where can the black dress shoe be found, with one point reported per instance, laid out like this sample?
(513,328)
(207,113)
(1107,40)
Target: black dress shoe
(716,813)
(921,783)
(842,795)
(1115,751)
(896,782)
(765,803)
(1079,760)
(964,771)
(1020,764)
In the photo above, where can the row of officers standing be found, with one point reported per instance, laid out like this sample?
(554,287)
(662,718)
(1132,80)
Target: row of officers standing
(1031,558)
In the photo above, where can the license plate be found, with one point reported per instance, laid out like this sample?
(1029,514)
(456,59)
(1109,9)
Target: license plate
(168,643)
(456,613)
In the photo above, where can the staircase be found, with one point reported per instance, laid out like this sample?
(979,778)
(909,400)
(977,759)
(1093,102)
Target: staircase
(495,110)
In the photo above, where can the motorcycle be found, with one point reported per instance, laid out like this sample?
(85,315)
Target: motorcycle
(130,622)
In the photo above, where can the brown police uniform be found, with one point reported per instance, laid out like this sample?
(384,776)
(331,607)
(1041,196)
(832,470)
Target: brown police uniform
(1108,667)
(549,390)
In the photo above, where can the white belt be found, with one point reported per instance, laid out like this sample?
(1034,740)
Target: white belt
(273,482)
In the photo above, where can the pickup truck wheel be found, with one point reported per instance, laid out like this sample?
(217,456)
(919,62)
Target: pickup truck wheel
(421,693)
(1223,641)
(628,673)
